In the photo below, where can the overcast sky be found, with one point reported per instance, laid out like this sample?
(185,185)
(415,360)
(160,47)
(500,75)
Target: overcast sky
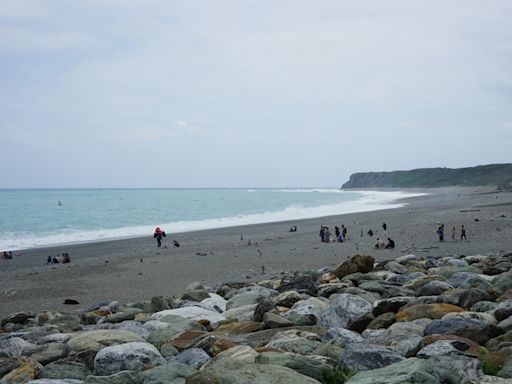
(125,93)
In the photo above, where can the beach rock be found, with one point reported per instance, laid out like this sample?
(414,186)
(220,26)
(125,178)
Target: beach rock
(273,320)
(214,303)
(471,296)
(479,331)
(7,364)
(392,304)
(55,381)
(343,309)
(17,318)
(263,307)
(239,352)
(170,373)
(313,366)
(429,311)
(195,295)
(193,357)
(95,340)
(357,263)
(405,277)
(363,357)
(503,281)
(458,278)
(133,356)
(406,258)
(288,298)
(441,348)
(125,314)
(295,341)
(63,369)
(26,371)
(433,288)
(14,346)
(303,284)
(192,313)
(177,325)
(48,353)
(230,371)
(466,369)
(412,370)
(344,335)
(382,321)
(312,306)
(123,377)
(250,295)
(243,313)
(239,327)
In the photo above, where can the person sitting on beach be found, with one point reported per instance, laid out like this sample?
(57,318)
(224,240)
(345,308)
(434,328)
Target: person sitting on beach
(370,233)
(390,244)
(64,259)
(384,226)
(55,260)
(158,236)
(340,238)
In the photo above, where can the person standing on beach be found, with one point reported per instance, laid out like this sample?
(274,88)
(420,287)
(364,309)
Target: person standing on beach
(158,236)
(453,233)
(440,232)
(344,231)
(384,226)
(322,234)
(462,233)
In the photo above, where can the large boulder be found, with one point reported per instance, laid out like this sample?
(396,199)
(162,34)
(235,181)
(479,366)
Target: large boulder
(133,356)
(428,311)
(343,310)
(363,357)
(479,331)
(357,263)
(412,370)
(192,313)
(93,341)
(230,371)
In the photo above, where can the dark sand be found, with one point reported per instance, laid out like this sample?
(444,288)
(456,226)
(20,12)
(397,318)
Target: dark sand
(112,270)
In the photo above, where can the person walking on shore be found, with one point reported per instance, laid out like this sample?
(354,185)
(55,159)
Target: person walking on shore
(158,236)
(454,239)
(384,226)
(322,234)
(344,231)
(462,233)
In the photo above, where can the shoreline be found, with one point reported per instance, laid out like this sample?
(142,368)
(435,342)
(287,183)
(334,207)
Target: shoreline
(133,269)
(364,204)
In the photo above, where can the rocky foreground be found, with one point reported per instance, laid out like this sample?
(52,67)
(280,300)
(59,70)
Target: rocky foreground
(411,320)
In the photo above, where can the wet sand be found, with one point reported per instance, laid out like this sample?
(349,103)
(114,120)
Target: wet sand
(135,269)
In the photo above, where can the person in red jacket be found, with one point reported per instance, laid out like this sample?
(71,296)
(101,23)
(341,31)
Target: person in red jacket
(158,236)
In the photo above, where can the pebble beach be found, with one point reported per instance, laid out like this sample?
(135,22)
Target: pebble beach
(277,297)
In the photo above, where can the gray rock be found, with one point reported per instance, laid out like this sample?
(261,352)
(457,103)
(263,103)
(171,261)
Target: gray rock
(273,320)
(471,296)
(55,381)
(412,370)
(47,353)
(123,377)
(467,369)
(484,306)
(363,357)
(230,371)
(193,357)
(65,370)
(344,309)
(408,276)
(17,318)
(126,314)
(343,335)
(392,304)
(95,340)
(503,281)
(14,346)
(479,331)
(133,356)
(303,284)
(177,325)
(433,288)
(263,307)
(312,366)
(171,373)
(250,295)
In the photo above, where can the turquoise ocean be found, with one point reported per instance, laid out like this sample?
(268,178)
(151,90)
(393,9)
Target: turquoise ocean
(44,217)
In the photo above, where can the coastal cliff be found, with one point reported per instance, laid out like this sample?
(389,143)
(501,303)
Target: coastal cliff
(492,174)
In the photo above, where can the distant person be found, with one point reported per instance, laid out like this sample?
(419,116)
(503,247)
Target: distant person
(462,233)
(370,233)
(440,233)
(322,234)
(380,244)
(340,238)
(453,230)
(337,231)
(384,226)
(158,235)
(49,260)
(327,235)
(390,244)
(344,231)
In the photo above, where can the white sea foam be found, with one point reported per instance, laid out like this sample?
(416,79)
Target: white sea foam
(370,201)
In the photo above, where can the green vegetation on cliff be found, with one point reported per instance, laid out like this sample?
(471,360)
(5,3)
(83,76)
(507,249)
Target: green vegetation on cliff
(493,174)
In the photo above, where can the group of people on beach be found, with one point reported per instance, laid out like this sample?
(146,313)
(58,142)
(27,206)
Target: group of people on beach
(7,255)
(339,233)
(453,230)
(63,258)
